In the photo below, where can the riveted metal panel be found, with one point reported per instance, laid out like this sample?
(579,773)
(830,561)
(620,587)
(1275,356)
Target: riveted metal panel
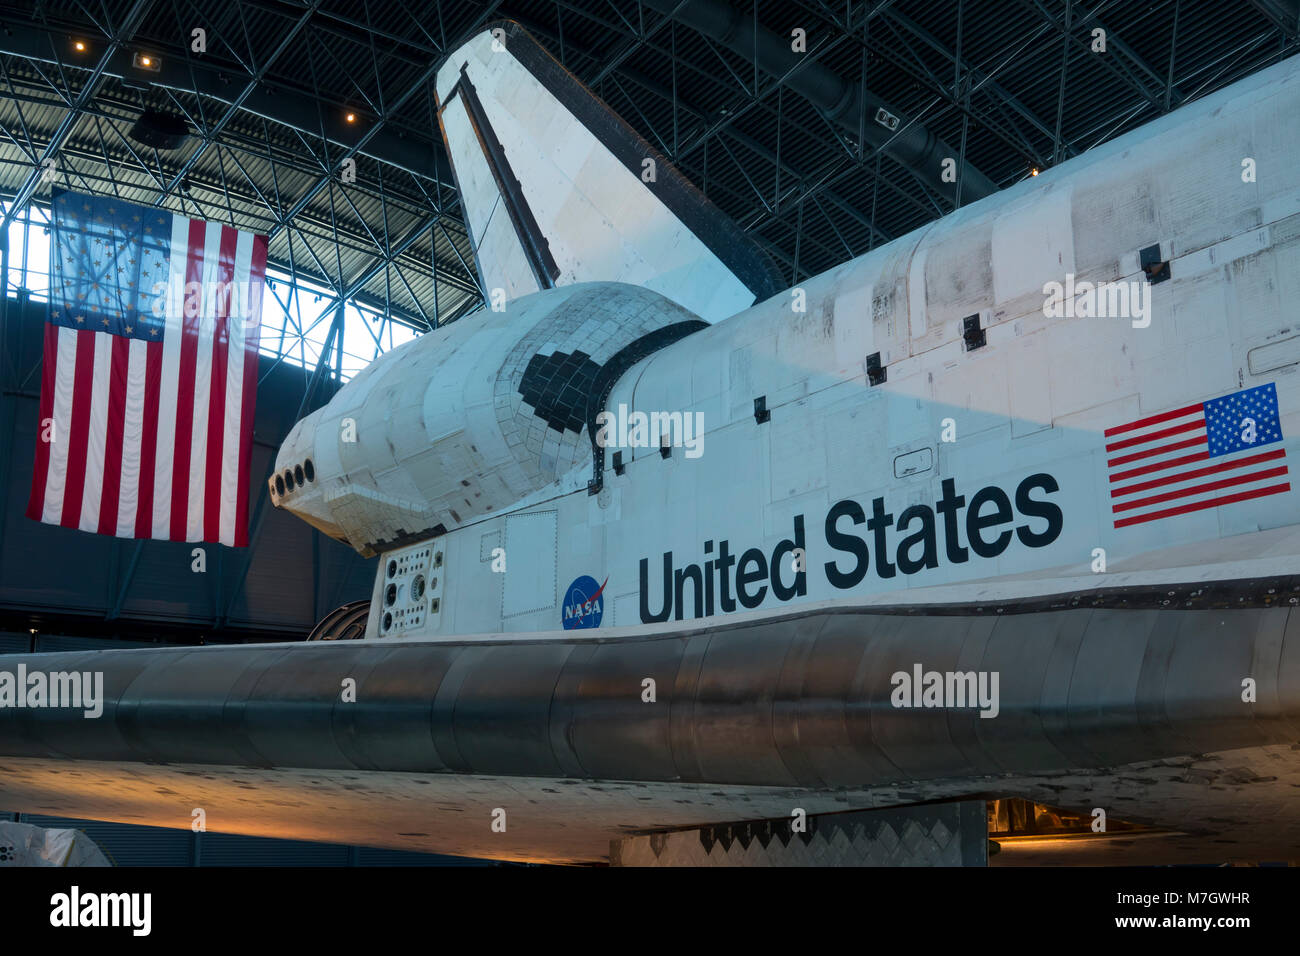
(1054,705)
(616,733)
(733,707)
(195,704)
(503,709)
(833,718)
(398,734)
(1287,672)
(564,704)
(444,704)
(681,712)
(787,697)
(1199,700)
(964,724)
(917,740)
(65,732)
(1020,650)
(295,696)
(1102,701)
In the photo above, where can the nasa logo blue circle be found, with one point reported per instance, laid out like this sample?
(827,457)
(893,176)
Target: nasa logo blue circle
(584,603)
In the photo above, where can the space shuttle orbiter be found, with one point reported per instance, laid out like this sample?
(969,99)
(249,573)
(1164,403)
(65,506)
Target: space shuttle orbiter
(1043,442)
(1083,383)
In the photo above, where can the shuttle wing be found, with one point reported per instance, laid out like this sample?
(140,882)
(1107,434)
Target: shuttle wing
(1135,709)
(557,188)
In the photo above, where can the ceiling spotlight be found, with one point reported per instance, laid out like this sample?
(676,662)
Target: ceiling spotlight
(351,117)
(1033,171)
(79,46)
(146,61)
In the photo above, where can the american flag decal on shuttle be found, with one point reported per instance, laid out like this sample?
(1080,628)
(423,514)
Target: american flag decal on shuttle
(1196,457)
(150,373)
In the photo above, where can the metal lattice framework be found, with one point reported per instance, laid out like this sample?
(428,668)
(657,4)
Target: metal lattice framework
(315,122)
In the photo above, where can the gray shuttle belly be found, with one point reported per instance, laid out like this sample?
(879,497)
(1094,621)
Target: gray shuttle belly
(811,699)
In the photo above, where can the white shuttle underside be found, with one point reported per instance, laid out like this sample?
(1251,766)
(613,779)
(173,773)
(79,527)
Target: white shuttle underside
(1236,805)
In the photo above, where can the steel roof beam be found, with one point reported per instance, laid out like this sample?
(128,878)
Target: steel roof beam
(124,31)
(210,135)
(377,127)
(1284,14)
(840,101)
(407,149)
(973,76)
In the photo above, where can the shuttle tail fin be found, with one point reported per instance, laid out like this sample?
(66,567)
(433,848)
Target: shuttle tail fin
(557,188)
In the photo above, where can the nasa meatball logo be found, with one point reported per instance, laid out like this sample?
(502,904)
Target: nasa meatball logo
(583,604)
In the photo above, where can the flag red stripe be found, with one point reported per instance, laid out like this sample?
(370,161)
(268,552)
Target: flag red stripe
(94,381)
(1201,489)
(1199,472)
(1138,455)
(1202,505)
(41,471)
(1152,436)
(1153,420)
(112,486)
(79,432)
(185,396)
(1169,463)
(149,439)
(257,271)
(217,389)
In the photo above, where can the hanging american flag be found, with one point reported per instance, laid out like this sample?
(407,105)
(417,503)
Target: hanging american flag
(1196,457)
(150,373)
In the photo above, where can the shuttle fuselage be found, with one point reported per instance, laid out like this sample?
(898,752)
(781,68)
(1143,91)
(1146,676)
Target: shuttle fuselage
(1091,373)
